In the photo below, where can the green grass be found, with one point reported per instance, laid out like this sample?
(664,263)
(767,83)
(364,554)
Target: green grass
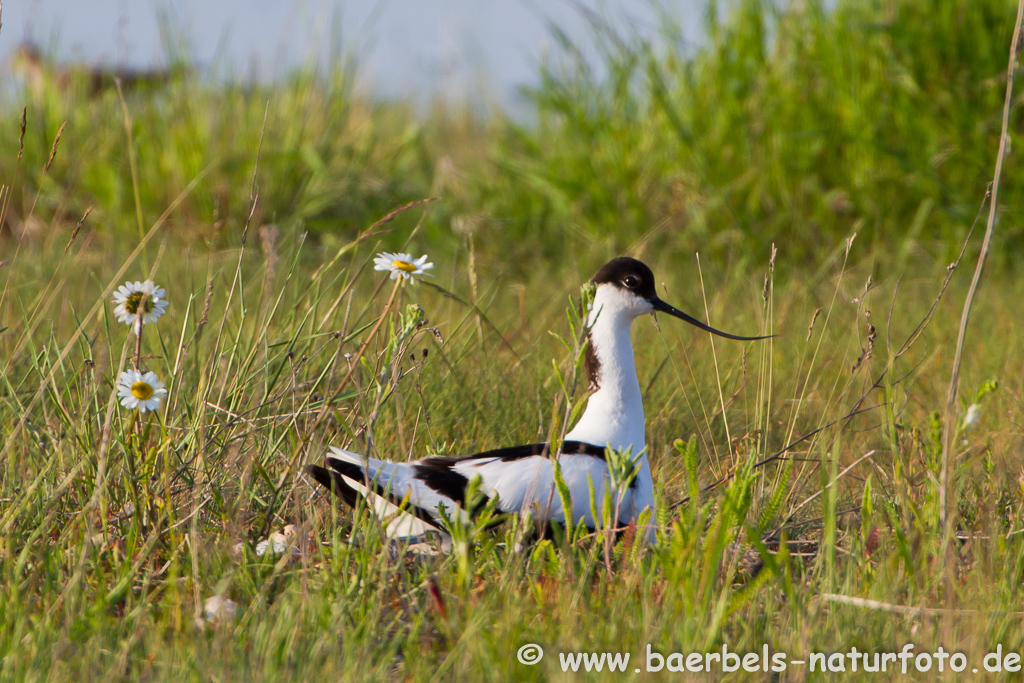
(116,531)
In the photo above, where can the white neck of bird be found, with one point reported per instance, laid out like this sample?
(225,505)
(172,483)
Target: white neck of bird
(615,412)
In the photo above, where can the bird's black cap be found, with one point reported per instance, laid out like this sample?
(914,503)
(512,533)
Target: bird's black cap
(627,273)
(633,275)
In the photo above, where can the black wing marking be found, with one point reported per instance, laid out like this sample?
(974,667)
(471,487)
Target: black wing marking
(437,473)
(511,453)
(334,480)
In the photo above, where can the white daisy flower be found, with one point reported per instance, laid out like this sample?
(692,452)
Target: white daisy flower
(402,265)
(145,392)
(131,295)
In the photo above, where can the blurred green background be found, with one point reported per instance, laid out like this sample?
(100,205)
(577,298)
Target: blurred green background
(793,125)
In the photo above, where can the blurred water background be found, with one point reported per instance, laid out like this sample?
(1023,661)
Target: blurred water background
(463,51)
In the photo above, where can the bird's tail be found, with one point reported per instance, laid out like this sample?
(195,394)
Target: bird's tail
(351,477)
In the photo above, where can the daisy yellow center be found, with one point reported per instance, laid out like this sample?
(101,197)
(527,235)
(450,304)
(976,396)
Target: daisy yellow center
(142,391)
(404,265)
(134,299)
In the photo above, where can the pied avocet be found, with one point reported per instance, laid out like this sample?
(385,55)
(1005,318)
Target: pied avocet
(522,477)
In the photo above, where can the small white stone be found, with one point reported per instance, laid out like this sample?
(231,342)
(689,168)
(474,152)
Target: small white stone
(422,550)
(278,542)
(219,609)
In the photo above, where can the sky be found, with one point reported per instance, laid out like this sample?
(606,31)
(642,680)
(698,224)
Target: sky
(458,49)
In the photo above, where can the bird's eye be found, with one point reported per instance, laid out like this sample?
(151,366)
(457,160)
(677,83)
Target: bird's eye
(631,281)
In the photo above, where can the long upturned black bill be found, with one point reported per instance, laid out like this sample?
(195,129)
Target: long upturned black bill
(663,307)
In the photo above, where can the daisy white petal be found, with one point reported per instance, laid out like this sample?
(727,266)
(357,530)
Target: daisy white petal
(383,260)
